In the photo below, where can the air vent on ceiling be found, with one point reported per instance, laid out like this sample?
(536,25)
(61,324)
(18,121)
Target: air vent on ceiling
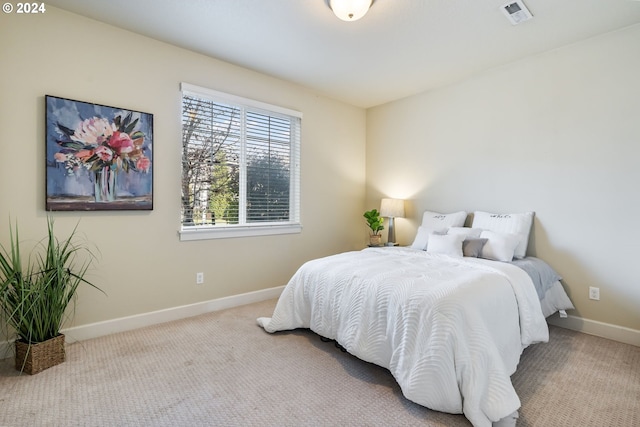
(516,12)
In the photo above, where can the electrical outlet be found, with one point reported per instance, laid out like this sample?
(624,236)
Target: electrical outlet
(594,293)
(199,278)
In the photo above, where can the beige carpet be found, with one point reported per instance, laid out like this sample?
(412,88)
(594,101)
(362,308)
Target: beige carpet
(221,369)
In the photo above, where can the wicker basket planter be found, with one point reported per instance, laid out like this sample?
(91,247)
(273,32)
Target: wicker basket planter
(34,358)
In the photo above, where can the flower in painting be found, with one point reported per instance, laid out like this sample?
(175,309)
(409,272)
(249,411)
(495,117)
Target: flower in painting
(121,143)
(143,164)
(104,153)
(97,143)
(93,131)
(83,155)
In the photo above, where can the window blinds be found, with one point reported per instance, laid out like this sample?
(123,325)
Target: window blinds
(240,161)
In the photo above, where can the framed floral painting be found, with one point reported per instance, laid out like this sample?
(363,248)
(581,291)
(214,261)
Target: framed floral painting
(98,157)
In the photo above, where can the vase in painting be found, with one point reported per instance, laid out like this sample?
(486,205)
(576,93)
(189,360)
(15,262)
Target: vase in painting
(105,185)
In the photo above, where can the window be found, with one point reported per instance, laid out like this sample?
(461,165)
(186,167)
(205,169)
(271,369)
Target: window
(240,166)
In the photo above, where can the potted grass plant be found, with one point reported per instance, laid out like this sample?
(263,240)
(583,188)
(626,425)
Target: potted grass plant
(374,222)
(36,293)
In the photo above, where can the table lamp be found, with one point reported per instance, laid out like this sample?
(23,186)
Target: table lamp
(392,208)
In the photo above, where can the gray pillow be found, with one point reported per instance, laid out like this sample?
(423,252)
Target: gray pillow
(473,247)
(541,273)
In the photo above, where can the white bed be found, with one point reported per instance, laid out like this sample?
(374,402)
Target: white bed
(450,329)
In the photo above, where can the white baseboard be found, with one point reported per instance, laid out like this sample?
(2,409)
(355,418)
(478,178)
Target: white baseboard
(599,329)
(98,329)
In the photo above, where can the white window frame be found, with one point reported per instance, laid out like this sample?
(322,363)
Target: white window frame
(202,232)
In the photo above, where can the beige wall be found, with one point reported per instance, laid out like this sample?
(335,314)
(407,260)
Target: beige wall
(143,266)
(558,134)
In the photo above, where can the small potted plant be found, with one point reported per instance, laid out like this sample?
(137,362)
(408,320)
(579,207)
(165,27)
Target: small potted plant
(374,221)
(35,293)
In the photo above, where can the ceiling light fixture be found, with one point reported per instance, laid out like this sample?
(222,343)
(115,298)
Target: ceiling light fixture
(350,10)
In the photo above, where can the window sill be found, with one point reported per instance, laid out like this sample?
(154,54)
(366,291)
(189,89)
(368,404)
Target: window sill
(206,233)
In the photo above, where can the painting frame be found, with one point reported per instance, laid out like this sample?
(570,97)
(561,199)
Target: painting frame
(98,157)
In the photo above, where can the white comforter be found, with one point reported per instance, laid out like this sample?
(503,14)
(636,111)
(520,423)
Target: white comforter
(450,330)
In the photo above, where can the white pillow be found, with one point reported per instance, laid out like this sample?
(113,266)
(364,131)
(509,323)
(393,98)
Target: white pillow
(472,233)
(450,244)
(499,246)
(437,220)
(519,224)
(423,235)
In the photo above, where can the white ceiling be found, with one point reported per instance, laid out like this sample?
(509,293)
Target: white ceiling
(401,47)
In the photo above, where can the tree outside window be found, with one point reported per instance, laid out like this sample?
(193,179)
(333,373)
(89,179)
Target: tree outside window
(240,165)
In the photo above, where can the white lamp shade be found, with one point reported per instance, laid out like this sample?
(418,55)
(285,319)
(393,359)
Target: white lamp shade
(350,10)
(392,208)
